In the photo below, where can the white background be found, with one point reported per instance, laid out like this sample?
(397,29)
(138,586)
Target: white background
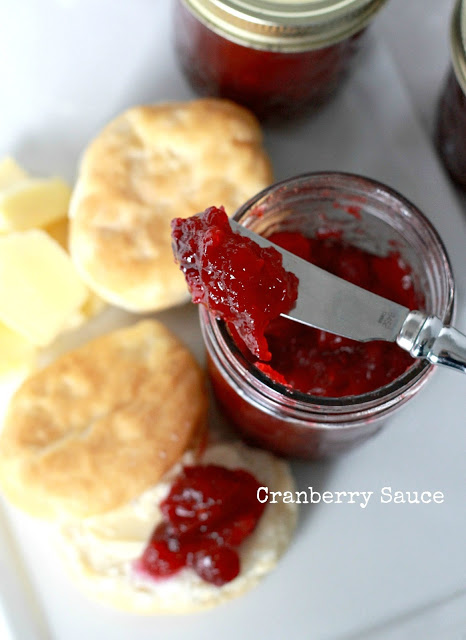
(389,571)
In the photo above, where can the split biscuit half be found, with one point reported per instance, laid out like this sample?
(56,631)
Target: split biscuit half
(100,552)
(102,423)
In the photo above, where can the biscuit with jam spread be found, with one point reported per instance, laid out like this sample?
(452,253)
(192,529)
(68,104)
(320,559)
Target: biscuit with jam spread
(149,165)
(101,552)
(102,423)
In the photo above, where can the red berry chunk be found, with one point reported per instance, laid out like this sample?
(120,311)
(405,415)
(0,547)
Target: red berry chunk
(217,565)
(159,559)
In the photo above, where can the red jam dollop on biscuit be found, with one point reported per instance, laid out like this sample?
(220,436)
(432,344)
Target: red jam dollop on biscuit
(233,277)
(207,514)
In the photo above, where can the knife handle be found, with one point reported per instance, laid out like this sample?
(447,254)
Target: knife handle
(427,337)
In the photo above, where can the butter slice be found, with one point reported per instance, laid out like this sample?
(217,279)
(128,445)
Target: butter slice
(33,202)
(17,353)
(10,173)
(39,287)
(93,305)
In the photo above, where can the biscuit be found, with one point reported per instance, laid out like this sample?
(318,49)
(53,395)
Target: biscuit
(99,552)
(149,165)
(102,423)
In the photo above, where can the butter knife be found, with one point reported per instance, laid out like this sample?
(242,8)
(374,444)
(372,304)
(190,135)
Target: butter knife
(334,305)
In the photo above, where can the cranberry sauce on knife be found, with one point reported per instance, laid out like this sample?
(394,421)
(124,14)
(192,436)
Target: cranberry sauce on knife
(233,277)
(248,287)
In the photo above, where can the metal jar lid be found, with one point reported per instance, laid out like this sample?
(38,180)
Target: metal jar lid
(458,42)
(285,25)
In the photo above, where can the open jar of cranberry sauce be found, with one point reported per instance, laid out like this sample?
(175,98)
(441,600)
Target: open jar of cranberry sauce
(280,58)
(378,223)
(450,133)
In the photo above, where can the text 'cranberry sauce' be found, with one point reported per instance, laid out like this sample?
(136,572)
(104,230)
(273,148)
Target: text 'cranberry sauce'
(233,277)
(207,514)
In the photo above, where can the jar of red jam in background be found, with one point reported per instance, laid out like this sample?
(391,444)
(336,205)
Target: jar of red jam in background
(279,58)
(365,214)
(450,133)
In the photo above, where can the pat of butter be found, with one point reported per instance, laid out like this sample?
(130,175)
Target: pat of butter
(58,230)
(39,286)
(18,354)
(10,173)
(33,202)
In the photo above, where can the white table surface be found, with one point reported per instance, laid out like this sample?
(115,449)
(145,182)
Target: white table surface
(388,572)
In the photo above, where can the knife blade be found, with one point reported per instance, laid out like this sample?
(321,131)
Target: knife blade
(332,304)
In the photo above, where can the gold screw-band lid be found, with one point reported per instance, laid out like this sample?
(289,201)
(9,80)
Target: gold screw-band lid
(285,25)
(458,42)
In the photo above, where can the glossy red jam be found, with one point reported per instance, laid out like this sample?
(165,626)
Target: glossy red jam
(247,286)
(323,364)
(273,84)
(233,277)
(451,129)
(208,513)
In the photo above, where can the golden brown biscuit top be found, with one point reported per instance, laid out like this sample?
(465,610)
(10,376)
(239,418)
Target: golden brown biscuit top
(149,165)
(102,423)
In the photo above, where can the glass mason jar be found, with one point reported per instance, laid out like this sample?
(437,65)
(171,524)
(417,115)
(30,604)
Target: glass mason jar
(293,423)
(280,58)
(450,133)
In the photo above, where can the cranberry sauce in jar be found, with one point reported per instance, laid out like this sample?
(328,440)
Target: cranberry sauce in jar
(279,59)
(363,230)
(319,363)
(450,134)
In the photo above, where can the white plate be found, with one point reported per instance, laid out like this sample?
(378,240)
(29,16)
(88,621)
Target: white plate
(72,66)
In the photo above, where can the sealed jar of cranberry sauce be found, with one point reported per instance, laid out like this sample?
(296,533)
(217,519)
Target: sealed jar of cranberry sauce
(321,394)
(450,131)
(280,58)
